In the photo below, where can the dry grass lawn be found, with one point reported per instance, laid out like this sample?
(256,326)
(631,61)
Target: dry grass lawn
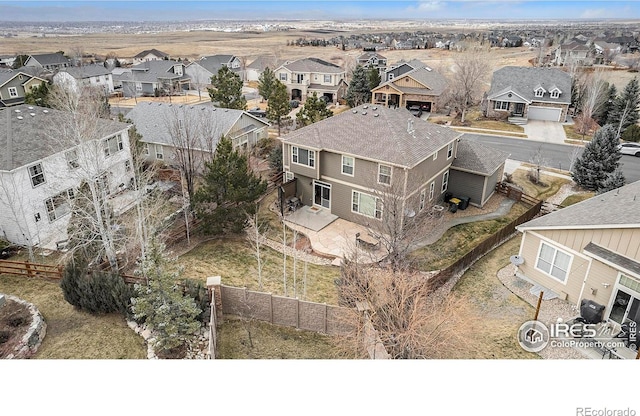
(475,119)
(550,184)
(73,334)
(575,198)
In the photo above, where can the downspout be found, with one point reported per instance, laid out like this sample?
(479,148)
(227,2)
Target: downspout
(584,284)
(404,197)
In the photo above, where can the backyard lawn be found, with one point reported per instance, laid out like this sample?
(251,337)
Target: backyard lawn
(549,185)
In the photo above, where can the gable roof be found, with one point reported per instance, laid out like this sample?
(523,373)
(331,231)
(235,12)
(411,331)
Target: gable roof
(413,63)
(619,208)
(7,75)
(264,61)
(155,52)
(153,121)
(479,158)
(368,55)
(313,65)
(150,71)
(50,59)
(213,63)
(87,71)
(375,133)
(431,79)
(30,138)
(524,80)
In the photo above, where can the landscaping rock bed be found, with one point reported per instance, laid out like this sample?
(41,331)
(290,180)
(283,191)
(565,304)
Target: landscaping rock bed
(22,328)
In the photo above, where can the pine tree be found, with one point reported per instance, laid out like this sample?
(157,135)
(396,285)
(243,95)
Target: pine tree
(613,181)
(625,108)
(632,134)
(278,107)
(267,83)
(227,90)
(599,159)
(161,303)
(313,110)
(602,115)
(229,191)
(38,95)
(358,91)
(374,78)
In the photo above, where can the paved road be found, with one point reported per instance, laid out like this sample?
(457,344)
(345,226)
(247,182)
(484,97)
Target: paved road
(557,156)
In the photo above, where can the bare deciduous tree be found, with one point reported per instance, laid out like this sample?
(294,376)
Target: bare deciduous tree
(469,72)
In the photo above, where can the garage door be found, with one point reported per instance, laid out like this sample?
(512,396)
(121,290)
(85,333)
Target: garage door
(544,113)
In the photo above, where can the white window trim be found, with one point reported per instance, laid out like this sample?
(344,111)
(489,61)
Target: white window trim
(566,278)
(432,190)
(376,210)
(13,92)
(64,196)
(288,176)
(390,76)
(311,157)
(500,105)
(72,161)
(435,155)
(31,176)
(450,151)
(107,145)
(353,165)
(145,149)
(539,92)
(159,152)
(327,79)
(445,182)
(555,94)
(423,199)
(390,174)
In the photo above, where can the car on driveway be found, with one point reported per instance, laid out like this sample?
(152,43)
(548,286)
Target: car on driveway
(415,110)
(632,149)
(257,112)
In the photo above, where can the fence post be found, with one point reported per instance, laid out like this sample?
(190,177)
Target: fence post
(271,308)
(215,290)
(297,313)
(27,266)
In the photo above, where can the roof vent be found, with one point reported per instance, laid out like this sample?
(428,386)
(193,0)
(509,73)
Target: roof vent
(17,111)
(365,106)
(376,114)
(374,108)
(30,108)
(214,109)
(149,102)
(45,111)
(32,114)
(354,111)
(427,68)
(364,113)
(20,117)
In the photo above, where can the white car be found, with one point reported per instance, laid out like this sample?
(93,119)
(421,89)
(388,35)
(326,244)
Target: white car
(632,149)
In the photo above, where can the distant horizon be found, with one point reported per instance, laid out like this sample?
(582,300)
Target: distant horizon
(52,11)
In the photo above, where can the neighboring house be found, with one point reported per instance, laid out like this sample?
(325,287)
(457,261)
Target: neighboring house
(255,68)
(590,250)
(572,53)
(343,162)
(40,170)
(400,68)
(373,60)
(86,76)
(202,70)
(48,61)
(6,61)
(306,76)
(149,55)
(203,125)
(475,171)
(421,86)
(529,93)
(161,77)
(15,85)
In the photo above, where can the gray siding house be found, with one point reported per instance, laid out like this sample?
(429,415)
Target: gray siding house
(48,61)
(15,85)
(155,77)
(343,162)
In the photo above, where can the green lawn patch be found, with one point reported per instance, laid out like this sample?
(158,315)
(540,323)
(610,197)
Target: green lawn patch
(575,198)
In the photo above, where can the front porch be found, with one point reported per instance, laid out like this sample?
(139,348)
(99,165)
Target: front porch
(335,237)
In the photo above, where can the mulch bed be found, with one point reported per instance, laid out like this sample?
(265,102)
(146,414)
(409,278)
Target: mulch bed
(15,320)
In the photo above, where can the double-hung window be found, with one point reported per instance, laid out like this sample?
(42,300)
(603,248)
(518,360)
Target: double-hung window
(283,76)
(36,174)
(540,92)
(553,262)
(555,94)
(449,150)
(303,156)
(501,105)
(159,152)
(432,188)
(112,145)
(348,163)
(13,92)
(445,181)
(72,159)
(423,199)
(366,204)
(384,174)
(59,205)
(327,79)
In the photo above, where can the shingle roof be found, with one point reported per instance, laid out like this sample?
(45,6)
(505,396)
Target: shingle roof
(314,65)
(478,158)
(86,71)
(264,61)
(213,63)
(523,81)
(424,75)
(385,137)
(154,121)
(613,257)
(155,52)
(150,71)
(50,58)
(619,208)
(37,136)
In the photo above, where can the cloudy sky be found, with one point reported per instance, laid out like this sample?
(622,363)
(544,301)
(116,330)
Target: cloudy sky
(155,10)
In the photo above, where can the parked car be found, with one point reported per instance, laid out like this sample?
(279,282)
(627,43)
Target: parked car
(257,112)
(632,149)
(415,110)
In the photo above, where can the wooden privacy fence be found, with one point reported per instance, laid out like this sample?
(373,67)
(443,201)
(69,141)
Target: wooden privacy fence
(47,271)
(515,193)
(483,248)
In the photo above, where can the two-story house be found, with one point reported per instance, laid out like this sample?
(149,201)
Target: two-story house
(202,70)
(529,93)
(86,76)
(421,87)
(306,76)
(344,163)
(149,55)
(49,61)
(168,128)
(572,53)
(43,163)
(15,85)
(400,68)
(373,60)
(161,77)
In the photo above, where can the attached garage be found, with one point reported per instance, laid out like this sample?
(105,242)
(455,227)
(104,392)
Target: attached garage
(544,113)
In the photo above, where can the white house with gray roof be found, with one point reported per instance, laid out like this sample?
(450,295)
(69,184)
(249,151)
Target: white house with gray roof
(150,78)
(529,93)
(202,70)
(590,250)
(164,127)
(343,162)
(94,75)
(306,76)
(42,165)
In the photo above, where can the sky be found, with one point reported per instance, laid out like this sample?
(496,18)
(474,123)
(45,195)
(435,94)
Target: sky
(158,10)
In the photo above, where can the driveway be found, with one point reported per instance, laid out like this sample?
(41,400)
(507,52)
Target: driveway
(545,131)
